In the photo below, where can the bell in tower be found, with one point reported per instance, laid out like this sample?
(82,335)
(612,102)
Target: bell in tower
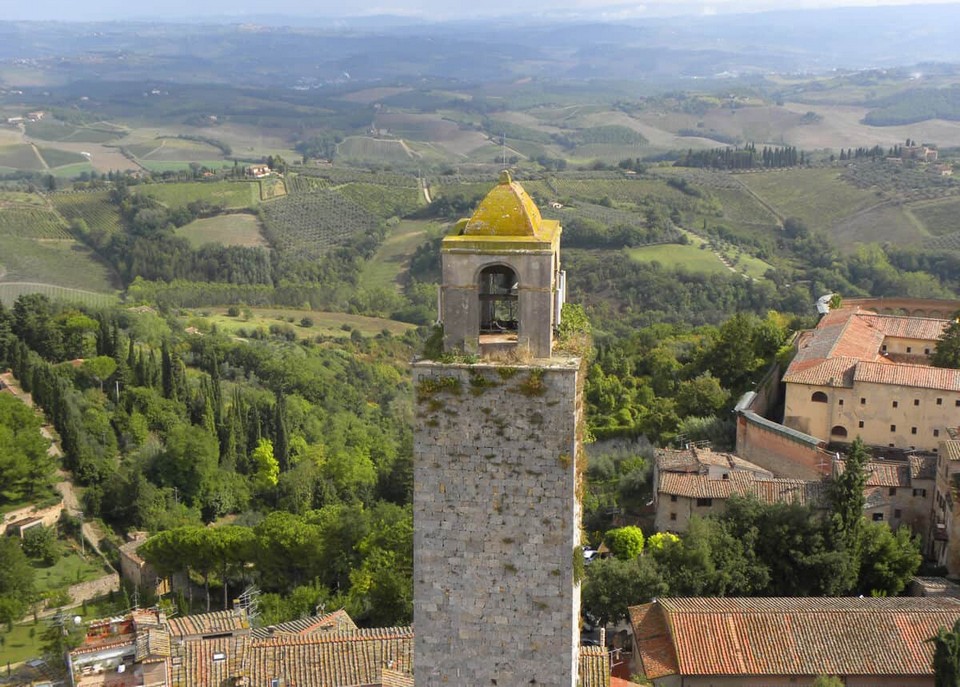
(502,288)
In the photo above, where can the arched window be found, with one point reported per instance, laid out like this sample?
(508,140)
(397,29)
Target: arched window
(498,300)
(838,431)
(819,397)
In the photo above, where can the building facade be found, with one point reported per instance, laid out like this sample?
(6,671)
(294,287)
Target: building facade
(864,374)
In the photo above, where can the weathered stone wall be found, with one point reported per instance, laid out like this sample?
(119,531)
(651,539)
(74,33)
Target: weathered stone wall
(84,591)
(496,524)
(780,449)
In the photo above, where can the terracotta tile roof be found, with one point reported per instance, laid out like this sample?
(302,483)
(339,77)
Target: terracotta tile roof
(594,667)
(653,641)
(693,459)
(208,623)
(883,474)
(767,490)
(950,449)
(900,327)
(210,662)
(153,644)
(394,678)
(845,347)
(677,460)
(354,658)
(796,636)
(337,621)
(923,467)
(920,376)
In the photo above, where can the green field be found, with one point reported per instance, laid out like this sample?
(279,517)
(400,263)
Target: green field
(939,217)
(11,291)
(169,149)
(60,158)
(230,194)
(181,166)
(883,224)
(239,229)
(817,196)
(325,323)
(385,269)
(53,130)
(58,263)
(306,225)
(385,201)
(364,148)
(68,570)
(20,156)
(673,255)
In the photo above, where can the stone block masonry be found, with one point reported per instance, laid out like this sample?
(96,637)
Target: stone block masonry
(497,524)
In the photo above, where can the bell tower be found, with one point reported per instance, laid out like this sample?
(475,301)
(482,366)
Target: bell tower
(502,288)
(497,450)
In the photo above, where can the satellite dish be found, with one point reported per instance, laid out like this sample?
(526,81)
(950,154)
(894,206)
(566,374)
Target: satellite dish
(77,620)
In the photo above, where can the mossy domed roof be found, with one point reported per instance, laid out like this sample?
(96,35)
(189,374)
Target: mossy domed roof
(506,211)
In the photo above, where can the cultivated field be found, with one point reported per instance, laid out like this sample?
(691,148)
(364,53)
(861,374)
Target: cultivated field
(239,229)
(59,262)
(938,217)
(818,196)
(31,221)
(230,194)
(693,258)
(93,207)
(53,130)
(307,225)
(174,150)
(21,156)
(886,223)
(366,148)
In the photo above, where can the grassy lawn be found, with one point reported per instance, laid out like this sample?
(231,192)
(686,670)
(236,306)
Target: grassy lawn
(18,645)
(238,229)
(691,257)
(817,196)
(392,258)
(326,323)
(69,569)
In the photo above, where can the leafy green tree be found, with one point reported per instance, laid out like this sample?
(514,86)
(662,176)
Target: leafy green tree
(41,543)
(827,681)
(657,541)
(16,580)
(947,353)
(613,585)
(626,543)
(702,396)
(889,559)
(266,466)
(25,467)
(847,501)
(946,656)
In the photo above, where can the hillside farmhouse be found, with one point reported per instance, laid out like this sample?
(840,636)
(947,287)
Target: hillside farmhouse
(774,642)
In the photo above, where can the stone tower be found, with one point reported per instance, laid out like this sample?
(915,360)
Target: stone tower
(496,454)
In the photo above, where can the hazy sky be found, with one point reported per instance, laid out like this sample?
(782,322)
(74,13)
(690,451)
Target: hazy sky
(76,10)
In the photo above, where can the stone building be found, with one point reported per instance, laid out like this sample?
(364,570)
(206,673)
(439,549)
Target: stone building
(868,374)
(496,461)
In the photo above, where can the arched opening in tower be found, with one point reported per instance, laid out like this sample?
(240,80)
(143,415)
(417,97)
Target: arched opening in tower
(499,301)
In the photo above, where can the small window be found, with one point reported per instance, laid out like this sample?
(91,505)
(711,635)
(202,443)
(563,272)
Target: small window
(219,656)
(939,401)
(878,517)
(891,445)
(275,682)
(673,498)
(936,432)
(840,402)
(920,492)
(863,401)
(896,404)
(892,491)
(704,503)
(673,516)
(839,431)
(897,513)
(819,397)
(916,401)
(726,475)
(909,349)
(913,430)
(883,348)
(957,403)
(860,424)
(926,351)
(893,428)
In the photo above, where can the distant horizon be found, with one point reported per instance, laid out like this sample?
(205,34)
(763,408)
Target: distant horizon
(427,11)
